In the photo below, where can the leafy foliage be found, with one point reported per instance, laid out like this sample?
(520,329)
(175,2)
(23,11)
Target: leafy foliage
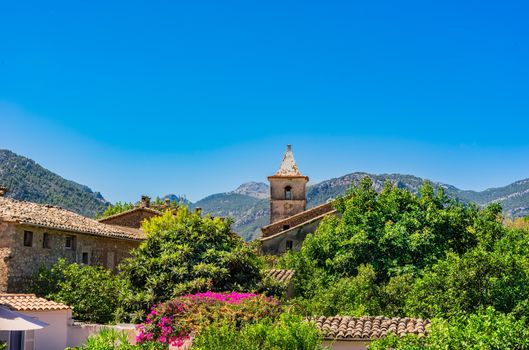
(489,329)
(110,339)
(175,321)
(113,209)
(187,253)
(396,253)
(289,332)
(91,291)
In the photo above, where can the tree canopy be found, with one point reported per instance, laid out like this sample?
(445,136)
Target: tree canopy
(400,254)
(186,253)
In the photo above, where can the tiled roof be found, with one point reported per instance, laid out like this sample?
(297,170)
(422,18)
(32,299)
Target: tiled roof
(53,217)
(126,212)
(297,220)
(30,302)
(369,327)
(282,276)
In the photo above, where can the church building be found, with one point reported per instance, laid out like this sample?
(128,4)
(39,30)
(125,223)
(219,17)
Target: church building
(290,220)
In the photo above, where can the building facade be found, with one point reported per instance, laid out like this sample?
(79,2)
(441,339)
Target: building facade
(288,195)
(34,235)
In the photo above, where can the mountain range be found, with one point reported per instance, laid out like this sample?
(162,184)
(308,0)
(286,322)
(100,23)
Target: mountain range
(248,205)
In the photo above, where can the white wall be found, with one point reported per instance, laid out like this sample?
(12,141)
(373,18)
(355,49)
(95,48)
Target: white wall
(55,336)
(78,333)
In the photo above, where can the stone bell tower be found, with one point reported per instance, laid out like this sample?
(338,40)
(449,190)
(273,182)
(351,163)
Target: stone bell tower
(287,189)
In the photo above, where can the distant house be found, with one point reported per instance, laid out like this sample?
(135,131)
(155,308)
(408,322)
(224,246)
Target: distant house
(57,316)
(356,333)
(134,217)
(290,221)
(34,235)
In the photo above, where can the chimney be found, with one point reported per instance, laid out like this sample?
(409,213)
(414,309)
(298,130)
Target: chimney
(3,191)
(145,202)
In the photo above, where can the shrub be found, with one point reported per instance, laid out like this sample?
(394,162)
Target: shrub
(3,346)
(354,296)
(488,329)
(187,253)
(110,339)
(175,321)
(91,291)
(469,282)
(289,332)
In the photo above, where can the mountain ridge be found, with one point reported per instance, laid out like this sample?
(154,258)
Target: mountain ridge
(248,204)
(26,180)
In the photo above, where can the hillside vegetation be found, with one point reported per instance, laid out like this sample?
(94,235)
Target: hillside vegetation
(27,180)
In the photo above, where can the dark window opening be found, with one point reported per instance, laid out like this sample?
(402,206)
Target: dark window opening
(290,245)
(286,227)
(288,193)
(46,241)
(28,238)
(84,258)
(70,242)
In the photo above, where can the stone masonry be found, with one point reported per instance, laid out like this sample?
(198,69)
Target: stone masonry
(19,263)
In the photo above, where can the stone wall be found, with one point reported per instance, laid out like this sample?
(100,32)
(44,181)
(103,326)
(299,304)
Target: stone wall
(280,207)
(130,219)
(290,239)
(6,231)
(24,261)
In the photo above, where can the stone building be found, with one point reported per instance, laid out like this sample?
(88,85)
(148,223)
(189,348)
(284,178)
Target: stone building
(134,217)
(287,189)
(34,235)
(290,221)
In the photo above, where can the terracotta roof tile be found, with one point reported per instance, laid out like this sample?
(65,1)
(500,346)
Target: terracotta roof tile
(282,276)
(126,212)
(369,327)
(298,219)
(53,217)
(30,302)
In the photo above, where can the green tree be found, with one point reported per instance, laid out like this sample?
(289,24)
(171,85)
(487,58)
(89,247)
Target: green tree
(397,233)
(487,330)
(116,208)
(186,253)
(91,291)
(474,280)
(290,332)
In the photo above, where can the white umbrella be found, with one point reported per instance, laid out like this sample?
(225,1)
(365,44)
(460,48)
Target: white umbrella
(14,321)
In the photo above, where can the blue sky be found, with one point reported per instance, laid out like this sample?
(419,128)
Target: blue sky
(196,97)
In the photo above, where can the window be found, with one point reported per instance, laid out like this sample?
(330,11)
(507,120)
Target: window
(290,245)
(286,227)
(28,238)
(84,258)
(288,193)
(70,242)
(46,241)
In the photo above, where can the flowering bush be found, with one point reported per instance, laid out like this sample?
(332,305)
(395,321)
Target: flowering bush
(177,320)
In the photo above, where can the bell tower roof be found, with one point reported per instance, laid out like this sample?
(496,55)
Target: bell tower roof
(288,166)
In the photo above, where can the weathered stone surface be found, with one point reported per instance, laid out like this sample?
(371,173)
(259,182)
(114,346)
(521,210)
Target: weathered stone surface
(19,263)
